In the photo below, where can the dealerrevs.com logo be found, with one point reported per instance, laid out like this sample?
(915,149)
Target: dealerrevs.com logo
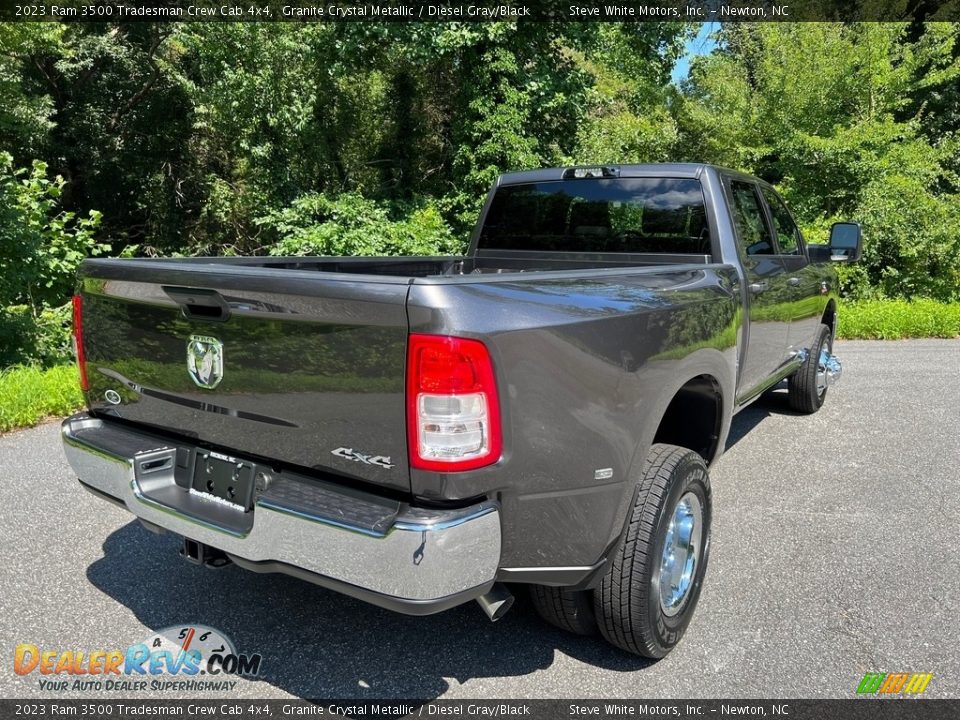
(178,658)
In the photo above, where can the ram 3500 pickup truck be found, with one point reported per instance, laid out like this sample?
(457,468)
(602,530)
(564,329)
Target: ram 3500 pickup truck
(418,431)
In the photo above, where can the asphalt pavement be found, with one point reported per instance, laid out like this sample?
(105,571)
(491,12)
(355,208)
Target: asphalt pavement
(836,551)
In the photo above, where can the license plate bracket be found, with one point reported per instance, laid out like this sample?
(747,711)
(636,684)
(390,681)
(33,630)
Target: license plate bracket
(225,478)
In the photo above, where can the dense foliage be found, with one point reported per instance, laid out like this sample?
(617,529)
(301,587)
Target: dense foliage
(856,121)
(360,138)
(41,246)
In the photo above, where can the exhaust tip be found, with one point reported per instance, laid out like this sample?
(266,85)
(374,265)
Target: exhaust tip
(496,602)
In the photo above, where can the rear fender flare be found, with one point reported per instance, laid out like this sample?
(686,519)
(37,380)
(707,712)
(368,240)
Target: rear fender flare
(706,361)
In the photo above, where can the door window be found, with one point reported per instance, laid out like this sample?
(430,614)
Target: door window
(788,236)
(748,216)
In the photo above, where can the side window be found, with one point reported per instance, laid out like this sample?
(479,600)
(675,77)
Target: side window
(748,216)
(787,233)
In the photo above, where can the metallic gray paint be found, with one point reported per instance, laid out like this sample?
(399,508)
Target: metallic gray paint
(587,367)
(587,360)
(302,375)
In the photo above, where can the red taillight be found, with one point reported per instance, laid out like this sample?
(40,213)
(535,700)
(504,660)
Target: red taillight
(78,341)
(453,415)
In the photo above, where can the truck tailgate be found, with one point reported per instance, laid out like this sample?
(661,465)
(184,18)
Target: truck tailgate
(281,364)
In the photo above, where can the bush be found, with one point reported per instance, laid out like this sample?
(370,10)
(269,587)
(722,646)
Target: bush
(29,336)
(41,247)
(30,394)
(898,319)
(911,242)
(350,224)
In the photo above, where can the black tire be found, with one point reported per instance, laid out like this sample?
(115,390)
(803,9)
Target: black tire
(627,603)
(570,610)
(802,385)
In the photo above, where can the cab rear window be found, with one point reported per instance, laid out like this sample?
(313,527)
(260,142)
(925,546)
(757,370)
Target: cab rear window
(608,215)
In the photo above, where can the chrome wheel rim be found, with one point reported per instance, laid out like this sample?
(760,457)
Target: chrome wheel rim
(822,362)
(681,554)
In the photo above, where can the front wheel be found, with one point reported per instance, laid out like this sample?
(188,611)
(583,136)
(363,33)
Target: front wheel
(807,387)
(648,597)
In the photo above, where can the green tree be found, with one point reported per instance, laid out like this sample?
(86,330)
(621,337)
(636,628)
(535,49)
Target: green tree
(824,110)
(25,107)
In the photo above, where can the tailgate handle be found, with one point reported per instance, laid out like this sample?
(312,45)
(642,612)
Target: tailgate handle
(199,303)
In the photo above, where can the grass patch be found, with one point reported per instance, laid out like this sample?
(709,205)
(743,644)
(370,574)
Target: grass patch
(899,319)
(29,394)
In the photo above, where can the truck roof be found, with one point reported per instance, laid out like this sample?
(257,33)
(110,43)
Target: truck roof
(679,170)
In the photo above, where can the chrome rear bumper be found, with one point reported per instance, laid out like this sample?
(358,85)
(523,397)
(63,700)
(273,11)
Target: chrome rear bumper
(418,561)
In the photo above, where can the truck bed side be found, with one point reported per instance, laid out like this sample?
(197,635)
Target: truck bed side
(586,366)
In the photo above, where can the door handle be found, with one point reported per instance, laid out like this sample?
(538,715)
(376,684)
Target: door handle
(793,281)
(758,287)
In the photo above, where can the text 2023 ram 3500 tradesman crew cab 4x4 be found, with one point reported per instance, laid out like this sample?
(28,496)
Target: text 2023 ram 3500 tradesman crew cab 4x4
(418,431)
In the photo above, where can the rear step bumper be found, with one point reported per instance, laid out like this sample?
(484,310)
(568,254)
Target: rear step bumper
(412,560)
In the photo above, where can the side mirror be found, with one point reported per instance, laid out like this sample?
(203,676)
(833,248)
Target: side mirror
(846,242)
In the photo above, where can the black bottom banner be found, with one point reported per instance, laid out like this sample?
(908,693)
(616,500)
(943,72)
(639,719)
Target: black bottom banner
(854,709)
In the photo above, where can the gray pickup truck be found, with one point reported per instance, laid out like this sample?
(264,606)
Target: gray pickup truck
(419,432)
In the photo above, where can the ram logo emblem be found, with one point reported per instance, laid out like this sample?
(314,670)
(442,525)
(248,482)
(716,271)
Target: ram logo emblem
(205,361)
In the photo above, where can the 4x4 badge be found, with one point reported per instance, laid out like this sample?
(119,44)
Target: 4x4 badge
(351,454)
(205,360)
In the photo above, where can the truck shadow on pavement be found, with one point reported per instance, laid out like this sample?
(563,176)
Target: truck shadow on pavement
(318,644)
(773,402)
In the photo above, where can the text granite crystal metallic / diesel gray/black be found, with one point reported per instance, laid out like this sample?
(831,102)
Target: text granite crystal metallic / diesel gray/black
(419,431)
